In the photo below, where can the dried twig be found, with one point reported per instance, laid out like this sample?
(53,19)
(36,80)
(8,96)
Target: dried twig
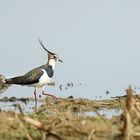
(36,123)
(91,134)
(41,126)
(127,131)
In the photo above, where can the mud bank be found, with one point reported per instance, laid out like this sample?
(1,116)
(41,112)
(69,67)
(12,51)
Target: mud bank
(64,119)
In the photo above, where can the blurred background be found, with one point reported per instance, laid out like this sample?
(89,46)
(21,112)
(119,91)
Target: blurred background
(97,40)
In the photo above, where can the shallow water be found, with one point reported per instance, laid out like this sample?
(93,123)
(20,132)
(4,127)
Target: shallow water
(12,106)
(105,112)
(29,108)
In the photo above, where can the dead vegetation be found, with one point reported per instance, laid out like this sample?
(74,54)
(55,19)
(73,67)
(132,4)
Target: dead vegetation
(64,120)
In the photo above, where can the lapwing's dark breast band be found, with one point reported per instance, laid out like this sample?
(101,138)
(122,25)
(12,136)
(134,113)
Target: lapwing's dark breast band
(49,71)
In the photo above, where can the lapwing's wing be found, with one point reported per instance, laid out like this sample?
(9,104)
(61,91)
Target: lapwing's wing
(32,76)
(29,78)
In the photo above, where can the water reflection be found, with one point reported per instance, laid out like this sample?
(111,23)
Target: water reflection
(13,106)
(109,113)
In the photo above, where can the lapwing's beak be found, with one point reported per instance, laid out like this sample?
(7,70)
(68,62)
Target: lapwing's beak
(60,61)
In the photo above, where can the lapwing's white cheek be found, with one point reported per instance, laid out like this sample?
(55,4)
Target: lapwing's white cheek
(56,59)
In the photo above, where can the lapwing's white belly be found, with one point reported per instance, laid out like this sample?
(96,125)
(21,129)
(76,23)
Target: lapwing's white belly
(44,79)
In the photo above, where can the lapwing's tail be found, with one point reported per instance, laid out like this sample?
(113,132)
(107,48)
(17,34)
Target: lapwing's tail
(15,80)
(3,85)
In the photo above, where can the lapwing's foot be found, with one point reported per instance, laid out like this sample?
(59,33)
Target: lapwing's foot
(54,97)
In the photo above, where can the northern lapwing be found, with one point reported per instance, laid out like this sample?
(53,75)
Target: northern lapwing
(38,77)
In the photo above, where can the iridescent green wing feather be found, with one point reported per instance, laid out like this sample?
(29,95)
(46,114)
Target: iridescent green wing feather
(32,76)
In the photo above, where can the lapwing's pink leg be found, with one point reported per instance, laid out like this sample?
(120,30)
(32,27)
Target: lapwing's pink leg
(43,93)
(35,98)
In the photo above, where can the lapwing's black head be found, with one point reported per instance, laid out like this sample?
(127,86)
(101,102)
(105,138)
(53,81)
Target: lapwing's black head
(51,56)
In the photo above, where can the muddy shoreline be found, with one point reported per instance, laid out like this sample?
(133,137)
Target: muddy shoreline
(63,119)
